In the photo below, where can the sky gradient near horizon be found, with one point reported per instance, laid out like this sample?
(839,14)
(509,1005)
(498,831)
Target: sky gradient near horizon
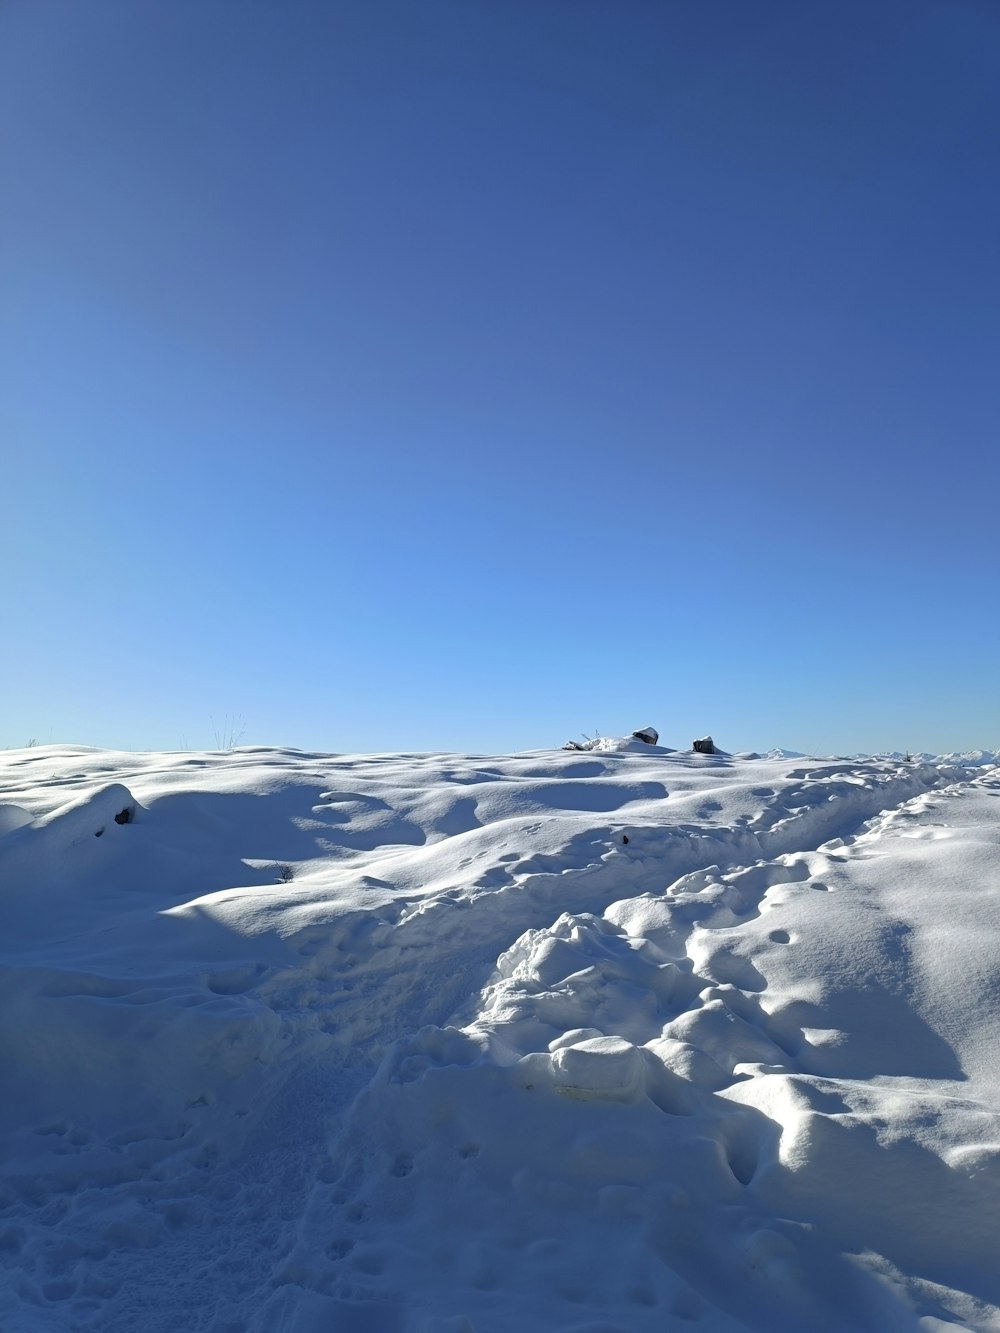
(469,375)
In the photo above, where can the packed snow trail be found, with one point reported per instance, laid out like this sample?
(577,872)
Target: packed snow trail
(399,1042)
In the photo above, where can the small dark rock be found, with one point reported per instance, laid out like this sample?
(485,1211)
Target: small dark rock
(124,816)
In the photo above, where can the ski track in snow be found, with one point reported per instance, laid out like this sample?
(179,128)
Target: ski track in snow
(422,1043)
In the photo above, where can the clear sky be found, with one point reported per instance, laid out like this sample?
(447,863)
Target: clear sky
(469,374)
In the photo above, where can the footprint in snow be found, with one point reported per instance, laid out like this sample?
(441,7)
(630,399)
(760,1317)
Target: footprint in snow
(402,1166)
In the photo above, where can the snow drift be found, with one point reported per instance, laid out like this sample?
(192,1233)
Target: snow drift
(624,1040)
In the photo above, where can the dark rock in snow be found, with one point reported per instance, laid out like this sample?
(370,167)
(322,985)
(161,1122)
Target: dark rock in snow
(704,746)
(648,734)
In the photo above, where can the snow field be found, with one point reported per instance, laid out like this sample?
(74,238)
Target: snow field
(421,1043)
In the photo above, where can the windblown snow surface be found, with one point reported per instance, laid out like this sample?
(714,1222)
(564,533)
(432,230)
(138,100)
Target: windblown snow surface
(620,1042)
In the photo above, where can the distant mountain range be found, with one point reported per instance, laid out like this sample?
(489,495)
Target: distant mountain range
(961,759)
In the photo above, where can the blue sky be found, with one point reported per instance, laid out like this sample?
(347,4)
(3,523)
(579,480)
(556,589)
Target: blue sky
(474,373)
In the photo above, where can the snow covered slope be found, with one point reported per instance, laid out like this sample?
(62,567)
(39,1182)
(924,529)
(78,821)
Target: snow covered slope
(619,1041)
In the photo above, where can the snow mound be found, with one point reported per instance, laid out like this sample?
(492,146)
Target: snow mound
(599,1067)
(633,744)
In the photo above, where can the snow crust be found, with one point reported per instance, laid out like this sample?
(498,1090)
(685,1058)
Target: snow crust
(598,1042)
